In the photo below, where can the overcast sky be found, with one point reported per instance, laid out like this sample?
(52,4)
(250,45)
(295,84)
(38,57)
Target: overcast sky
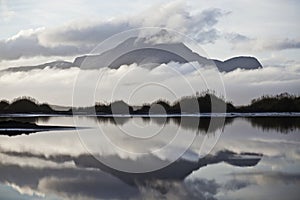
(37,30)
(34,32)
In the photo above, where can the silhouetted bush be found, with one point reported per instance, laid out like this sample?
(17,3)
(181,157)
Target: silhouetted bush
(278,103)
(25,105)
(3,104)
(203,103)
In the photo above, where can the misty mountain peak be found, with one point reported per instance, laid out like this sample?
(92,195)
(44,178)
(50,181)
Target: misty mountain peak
(145,53)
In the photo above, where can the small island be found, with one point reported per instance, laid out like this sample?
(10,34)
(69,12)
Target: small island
(14,128)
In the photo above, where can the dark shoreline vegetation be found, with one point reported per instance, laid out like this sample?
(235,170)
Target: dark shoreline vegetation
(14,128)
(186,105)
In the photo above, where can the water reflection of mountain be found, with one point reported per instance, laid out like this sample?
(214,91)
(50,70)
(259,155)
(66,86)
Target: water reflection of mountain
(90,178)
(206,124)
(279,124)
(212,124)
(201,124)
(177,170)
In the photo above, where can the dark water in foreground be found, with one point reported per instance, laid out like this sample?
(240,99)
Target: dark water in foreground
(248,158)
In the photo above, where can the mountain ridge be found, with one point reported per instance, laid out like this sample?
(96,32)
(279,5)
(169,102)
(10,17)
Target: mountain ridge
(136,50)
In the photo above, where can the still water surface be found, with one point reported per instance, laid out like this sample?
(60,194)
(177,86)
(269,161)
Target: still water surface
(65,164)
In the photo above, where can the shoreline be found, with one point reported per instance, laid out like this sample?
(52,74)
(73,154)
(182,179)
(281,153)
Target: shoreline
(200,115)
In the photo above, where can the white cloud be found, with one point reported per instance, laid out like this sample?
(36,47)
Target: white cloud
(27,44)
(81,37)
(276,26)
(56,86)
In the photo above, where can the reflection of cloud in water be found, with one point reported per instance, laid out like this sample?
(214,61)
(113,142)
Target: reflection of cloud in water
(270,177)
(92,179)
(60,167)
(77,182)
(236,184)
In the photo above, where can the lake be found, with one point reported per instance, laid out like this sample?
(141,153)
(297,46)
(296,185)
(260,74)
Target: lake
(153,158)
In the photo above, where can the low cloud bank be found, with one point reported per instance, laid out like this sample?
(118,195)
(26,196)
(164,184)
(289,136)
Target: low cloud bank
(138,85)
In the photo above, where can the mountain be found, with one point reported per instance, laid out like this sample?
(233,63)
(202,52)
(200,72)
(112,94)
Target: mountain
(143,53)
(56,64)
(140,52)
(137,50)
(242,62)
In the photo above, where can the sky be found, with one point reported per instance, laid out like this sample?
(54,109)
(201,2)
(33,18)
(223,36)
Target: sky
(266,29)
(35,32)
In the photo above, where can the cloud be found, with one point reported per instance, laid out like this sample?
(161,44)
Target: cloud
(284,44)
(207,36)
(175,15)
(27,44)
(81,37)
(199,25)
(207,19)
(182,79)
(236,37)
(268,80)
(80,34)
